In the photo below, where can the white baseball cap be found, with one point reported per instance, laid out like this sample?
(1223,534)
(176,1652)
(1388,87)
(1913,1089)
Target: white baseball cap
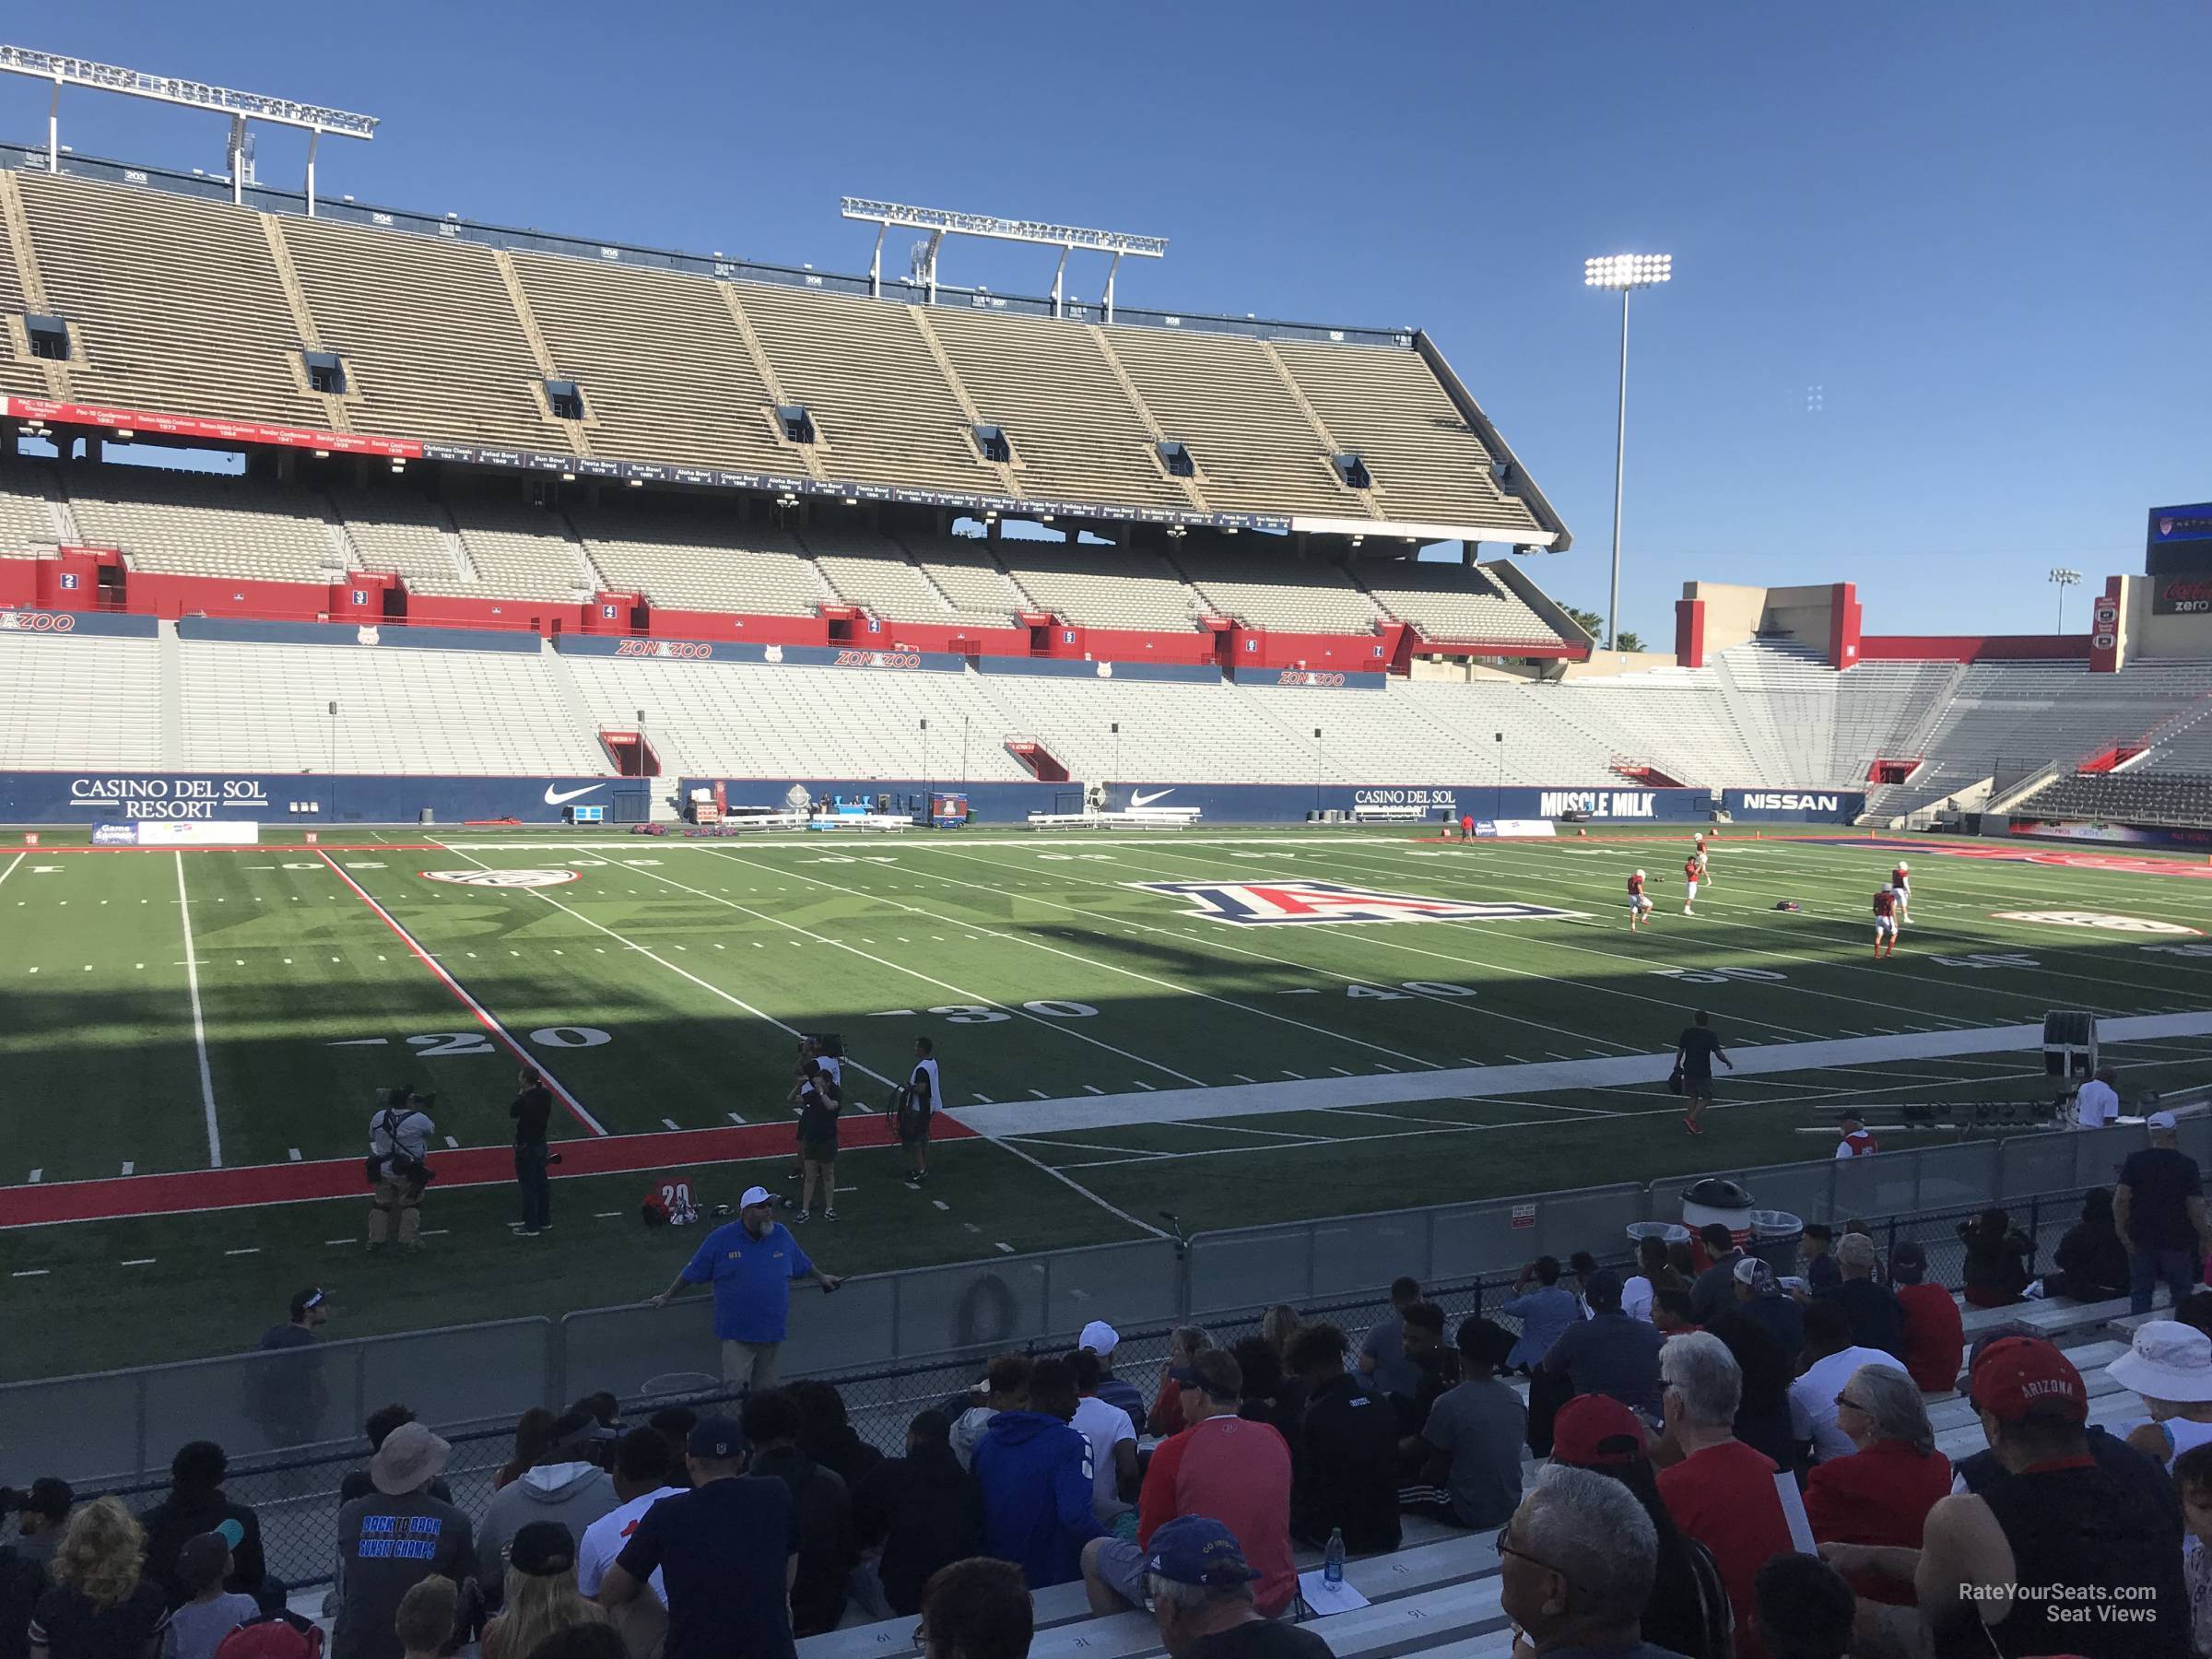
(2168,1362)
(2161,1120)
(754,1195)
(1100,1337)
(1902,865)
(1639,872)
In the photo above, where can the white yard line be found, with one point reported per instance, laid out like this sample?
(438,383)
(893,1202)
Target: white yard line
(199,1025)
(11,865)
(1321,1094)
(1069,1181)
(1015,938)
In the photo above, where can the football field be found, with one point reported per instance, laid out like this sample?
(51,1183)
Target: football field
(1231,1026)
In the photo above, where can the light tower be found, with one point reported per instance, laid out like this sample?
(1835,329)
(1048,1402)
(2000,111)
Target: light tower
(1626,272)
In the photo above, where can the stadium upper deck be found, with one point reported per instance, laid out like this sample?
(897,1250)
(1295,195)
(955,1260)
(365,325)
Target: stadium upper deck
(516,349)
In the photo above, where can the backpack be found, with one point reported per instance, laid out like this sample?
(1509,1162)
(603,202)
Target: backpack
(402,1164)
(272,1636)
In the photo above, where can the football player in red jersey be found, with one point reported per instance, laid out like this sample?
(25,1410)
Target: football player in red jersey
(1692,871)
(1885,924)
(1900,882)
(1640,901)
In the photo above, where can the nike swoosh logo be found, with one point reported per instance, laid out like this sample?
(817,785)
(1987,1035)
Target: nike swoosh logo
(1138,797)
(555,798)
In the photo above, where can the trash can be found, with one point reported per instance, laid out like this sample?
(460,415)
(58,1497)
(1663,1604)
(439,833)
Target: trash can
(1775,1235)
(426,816)
(1716,1199)
(1666,1232)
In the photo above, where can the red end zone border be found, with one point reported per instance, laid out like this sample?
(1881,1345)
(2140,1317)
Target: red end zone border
(121,1196)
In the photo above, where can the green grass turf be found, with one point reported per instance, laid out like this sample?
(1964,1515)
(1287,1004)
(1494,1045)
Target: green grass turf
(1039,970)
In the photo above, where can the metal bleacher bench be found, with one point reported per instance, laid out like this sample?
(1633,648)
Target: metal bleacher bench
(1389,815)
(1441,1578)
(1135,818)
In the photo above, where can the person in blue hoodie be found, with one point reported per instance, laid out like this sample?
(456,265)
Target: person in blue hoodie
(1034,1482)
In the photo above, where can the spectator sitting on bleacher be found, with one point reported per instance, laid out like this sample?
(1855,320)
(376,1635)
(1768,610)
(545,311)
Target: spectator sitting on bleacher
(1436,1366)
(1185,1343)
(1806,1608)
(1764,1373)
(26,1556)
(533,1440)
(1545,1307)
(2159,1206)
(1714,1289)
(101,1604)
(1469,1472)
(819,1501)
(674,1424)
(640,1476)
(1236,1472)
(1006,1388)
(378,1424)
(916,1514)
(1269,1396)
(1829,1358)
(1654,1273)
(1882,1492)
(1101,1339)
(1033,1475)
(1934,1334)
(976,1608)
(427,1615)
(2192,1480)
(1610,1353)
(826,1435)
(1575,1567)
(1816,1250)
(1382,1349)
(2078,1525)
(563,1484)
(1722,1492)
(196,1503)
(1877,1319)
(371,1574)
(1200,1589)
(1996,1259)
(210,1612)
(541,1599)
(1687,1609)
(2170,1365)
(2092,1258)
(1760,1299)
(1112,1440)
(1344,1459)
(1672,1314)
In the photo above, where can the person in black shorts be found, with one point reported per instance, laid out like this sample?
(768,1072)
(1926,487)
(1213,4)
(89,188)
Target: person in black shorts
(820,1105)
(917,1106)
(1695,1050)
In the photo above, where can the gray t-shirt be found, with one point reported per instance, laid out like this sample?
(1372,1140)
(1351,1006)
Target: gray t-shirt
(1484,1427)
(1393,1373)
(197,1628)
(386,1545)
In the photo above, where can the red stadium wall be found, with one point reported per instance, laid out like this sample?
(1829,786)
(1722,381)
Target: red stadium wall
(1843,638)
(1974,647)
(1689,634)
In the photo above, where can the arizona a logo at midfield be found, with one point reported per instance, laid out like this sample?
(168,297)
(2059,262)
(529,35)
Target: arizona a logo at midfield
(1269,903)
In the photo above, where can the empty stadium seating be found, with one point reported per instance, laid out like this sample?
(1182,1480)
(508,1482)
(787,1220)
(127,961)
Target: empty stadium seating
(876,575)
(70,701)
(28,527)
(1100,586)
(700,561)
(1453,602)
(2133,797)
(201,524)
(1265,589)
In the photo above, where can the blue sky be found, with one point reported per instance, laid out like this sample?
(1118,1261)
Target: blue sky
(1978,229)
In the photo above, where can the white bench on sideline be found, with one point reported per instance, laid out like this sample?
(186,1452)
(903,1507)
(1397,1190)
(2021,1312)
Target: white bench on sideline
(1389,815)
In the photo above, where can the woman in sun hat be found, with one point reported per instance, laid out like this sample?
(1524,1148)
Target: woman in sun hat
(2170,1366)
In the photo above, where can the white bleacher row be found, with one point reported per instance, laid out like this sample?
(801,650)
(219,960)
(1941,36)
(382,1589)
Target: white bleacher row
(70,702)
(688,557)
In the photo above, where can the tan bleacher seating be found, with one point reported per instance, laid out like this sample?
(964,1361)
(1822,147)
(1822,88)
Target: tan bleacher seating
(1255,449)
(866,377)
(1048,383)
(1101,587)
(520,553)
(1270,590)
(203,525)
(430,340)
(664,370)
(399,531)
(874,572)
(26,526)
(18,377)
(178,302)
(698,561)
(1453,602)
(71,697)
(969,573)
(1385,406)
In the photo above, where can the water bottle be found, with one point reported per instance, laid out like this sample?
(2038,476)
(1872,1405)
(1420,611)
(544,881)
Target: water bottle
(1332,1563)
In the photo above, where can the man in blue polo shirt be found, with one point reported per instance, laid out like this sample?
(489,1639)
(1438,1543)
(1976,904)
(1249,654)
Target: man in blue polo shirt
(751,1263)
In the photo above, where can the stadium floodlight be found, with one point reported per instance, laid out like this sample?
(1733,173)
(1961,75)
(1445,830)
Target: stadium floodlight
(241,107)
(1626,273)
(940,224)
(2062,579)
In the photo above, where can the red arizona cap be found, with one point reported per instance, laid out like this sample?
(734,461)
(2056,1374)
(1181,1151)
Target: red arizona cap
(2014,1375)
(1594,1430)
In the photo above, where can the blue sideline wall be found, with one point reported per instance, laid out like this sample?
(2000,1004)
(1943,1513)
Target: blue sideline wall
(295,801)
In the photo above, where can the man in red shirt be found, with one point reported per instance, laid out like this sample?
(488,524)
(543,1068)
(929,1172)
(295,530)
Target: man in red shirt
(1858,1141)
(1934,1335)
(1722,1492)
(1692,872)
(1640,901)
(1885,923)
(1223,1466)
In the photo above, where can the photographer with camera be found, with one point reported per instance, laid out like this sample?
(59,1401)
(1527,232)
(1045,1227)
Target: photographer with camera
(398,1167)
(532,1109)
